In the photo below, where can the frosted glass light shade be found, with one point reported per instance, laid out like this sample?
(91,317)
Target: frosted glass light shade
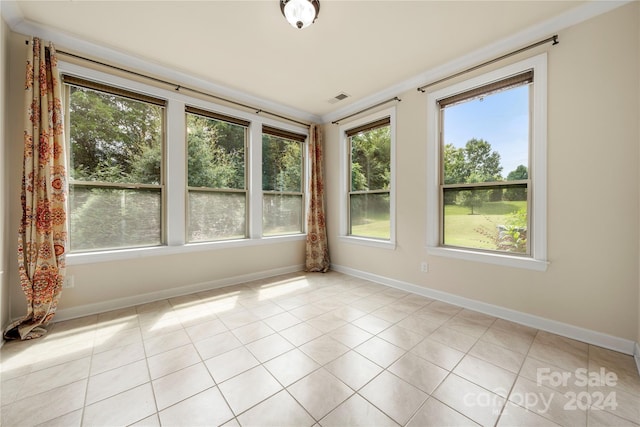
(300,13)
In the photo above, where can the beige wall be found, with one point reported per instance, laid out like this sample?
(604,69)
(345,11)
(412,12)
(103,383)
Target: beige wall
(95,283)
(638,121)
(593,192)
(120,281)
(16,52)
(4,284)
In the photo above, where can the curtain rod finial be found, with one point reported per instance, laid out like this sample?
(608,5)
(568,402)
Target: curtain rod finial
(555,40)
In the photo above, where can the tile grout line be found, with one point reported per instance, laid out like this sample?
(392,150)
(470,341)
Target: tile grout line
(215,383)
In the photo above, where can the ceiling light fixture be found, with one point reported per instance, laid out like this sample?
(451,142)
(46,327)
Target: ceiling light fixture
(300,13)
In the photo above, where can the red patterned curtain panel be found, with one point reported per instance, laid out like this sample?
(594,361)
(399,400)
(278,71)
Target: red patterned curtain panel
(42,238)
(317,249)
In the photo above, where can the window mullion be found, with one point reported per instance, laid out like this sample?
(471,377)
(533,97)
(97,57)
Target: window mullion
(490,184)
(216,190)
(283,193)
(176,168)
(255,180)
(118,185)
(383,191)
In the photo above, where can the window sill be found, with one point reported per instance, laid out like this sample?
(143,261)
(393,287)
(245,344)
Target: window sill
(490,258)
(363,241)
(135,253)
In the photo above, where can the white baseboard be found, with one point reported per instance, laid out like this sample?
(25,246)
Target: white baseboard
(585,335)
(115,304)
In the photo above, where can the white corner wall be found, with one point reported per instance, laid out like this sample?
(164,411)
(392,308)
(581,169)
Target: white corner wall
(593,195)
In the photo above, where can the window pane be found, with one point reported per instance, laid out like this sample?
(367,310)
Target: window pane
(282,171)
(106,218)
(493,219)
(216,153)
(281,214)
(216,216)
(369,214)
(114,139)
(371,160)
(281,164)
(487,139)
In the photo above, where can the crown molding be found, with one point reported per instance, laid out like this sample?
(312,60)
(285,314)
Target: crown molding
(529,35)
(65,41)
(11,13)
(13,16)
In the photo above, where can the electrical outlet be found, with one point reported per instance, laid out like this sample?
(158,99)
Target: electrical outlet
(424,267)
(69,282)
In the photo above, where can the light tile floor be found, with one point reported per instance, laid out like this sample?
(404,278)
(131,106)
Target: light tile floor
(311,349)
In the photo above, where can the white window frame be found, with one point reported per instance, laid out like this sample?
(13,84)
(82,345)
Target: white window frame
(304,177)
(211,190)
(345,178)
(537,259)
(175,173)
(112,90)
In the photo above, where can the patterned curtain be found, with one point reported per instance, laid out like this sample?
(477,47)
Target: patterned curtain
(317,249)
(42,235)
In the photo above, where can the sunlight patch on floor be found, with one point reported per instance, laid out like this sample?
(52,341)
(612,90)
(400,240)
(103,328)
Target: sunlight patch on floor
(192,312)
(283,287)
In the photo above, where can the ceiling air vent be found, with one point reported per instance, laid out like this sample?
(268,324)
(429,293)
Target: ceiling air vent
(339,97)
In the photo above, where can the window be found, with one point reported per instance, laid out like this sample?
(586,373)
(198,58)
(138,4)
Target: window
(488,144)
(485,133)
(369,159)
(116,140)
(216,177)
(282,182)
(155,171)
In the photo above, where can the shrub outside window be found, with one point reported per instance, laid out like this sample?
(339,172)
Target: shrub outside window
(282,182)
(216,176)
(116,140)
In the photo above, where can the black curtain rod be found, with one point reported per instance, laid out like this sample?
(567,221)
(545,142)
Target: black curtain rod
(395,98)
(553,39)
(178,87)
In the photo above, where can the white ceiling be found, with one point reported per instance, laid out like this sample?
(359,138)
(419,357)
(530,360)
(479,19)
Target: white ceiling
(362,48)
